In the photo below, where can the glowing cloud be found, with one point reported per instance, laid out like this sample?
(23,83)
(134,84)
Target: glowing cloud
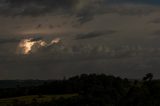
(26,45)
(55,41)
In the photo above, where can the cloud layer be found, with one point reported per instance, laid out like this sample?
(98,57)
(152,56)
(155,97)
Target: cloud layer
(119,37)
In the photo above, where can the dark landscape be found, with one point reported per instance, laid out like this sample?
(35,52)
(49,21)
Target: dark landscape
(83,90)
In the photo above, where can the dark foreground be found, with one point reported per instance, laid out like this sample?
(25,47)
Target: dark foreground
(85,90)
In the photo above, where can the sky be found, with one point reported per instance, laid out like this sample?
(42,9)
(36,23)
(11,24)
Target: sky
(52,39)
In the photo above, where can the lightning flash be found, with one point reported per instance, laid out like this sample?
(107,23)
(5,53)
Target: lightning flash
(26,45)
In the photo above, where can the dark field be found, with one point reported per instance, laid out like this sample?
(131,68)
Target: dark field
(32,98)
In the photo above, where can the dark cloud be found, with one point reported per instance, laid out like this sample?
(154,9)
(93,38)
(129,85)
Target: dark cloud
(148,2)
(37,38)
(85,18)
(84,10)
(133,10)
(34,7)
(9,40)
(79,7)
(94,34)
(41,7)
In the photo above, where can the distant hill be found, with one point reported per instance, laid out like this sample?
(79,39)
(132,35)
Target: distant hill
(21,83)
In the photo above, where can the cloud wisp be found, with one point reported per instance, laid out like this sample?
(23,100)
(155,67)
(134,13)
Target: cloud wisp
(94,34)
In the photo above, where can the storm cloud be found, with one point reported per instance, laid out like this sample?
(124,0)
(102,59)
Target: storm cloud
(119,37)
(34,7)
(84,10)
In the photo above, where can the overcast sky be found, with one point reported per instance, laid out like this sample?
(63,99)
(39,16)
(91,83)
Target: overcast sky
(117,37)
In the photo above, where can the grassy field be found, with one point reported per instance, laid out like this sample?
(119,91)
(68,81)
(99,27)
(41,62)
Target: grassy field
(29,99)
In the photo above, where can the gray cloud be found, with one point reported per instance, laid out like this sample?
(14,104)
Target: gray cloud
(85,18)
(9,40)
(94,34)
